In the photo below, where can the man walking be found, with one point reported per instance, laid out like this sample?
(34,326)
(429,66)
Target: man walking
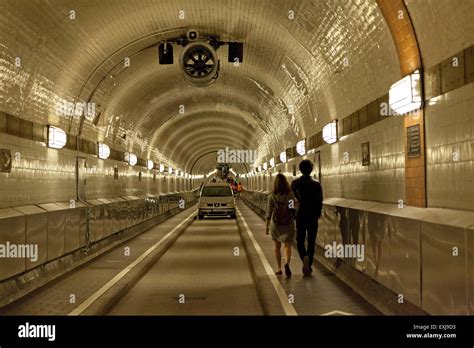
(309,194)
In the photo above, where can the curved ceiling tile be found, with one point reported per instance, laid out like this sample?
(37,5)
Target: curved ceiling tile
(297,74)
(454,23)
(205,160)
(198,142)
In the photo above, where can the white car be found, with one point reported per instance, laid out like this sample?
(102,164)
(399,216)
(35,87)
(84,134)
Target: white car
(217,199)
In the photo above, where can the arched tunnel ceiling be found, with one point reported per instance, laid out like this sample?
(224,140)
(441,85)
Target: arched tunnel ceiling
(332,58)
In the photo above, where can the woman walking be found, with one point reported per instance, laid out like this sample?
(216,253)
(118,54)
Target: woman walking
(280,220)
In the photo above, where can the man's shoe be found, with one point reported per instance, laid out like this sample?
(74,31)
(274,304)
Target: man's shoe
(306,268)
(287,271)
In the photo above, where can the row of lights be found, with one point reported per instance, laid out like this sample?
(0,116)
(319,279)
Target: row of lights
(57,139)
(329,136)
(404,97)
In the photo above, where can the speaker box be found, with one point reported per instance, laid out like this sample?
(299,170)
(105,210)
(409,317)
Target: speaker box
(236,50)
(165,51)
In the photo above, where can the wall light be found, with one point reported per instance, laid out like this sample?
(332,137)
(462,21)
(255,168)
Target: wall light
(259,168)
(330,132)
(405,95)
(57,138)
(283,157)
(130,158)
(265,166)
(149,164)
(301,147)
(104,151)
(162,168)
(272,162)
(170,170)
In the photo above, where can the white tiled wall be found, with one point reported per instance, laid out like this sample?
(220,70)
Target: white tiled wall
(443,27)
(383,180)
(449,122)
(45,175)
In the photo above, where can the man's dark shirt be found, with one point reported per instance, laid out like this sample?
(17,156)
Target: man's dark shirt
(309,194)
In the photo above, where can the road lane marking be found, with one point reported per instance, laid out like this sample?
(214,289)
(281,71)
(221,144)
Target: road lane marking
(89,301)
(337,312)
(287,306)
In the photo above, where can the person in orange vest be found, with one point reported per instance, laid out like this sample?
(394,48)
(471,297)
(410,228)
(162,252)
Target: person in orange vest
(239,189)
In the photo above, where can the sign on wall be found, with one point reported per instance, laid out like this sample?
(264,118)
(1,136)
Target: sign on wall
(413,141)
(365,151)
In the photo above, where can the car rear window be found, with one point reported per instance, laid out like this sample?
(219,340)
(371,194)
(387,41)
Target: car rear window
(216,191)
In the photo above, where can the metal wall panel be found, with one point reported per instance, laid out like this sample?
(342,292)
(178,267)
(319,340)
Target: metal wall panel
(132,215)
(470,267)
(83,222)
(72,233)
(56,229)
(116,208)
(405,263)
(96,223)
(358,224)
(36,232)
(444,280)
(377,247)
(108,216)
(12,230)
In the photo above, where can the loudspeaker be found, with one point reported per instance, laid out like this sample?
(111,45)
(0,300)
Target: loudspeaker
(165,51)
(236,50)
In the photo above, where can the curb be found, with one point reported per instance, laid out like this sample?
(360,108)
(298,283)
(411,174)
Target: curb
(18,287)
(266,292)
(105,302)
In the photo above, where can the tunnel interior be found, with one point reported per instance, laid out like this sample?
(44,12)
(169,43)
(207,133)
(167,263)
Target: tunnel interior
(118,110)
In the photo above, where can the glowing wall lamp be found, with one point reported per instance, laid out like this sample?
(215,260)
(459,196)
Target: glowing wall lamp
(283,157)
(170,170)
(405,95)
(259,168)
(103,151)
(162,168)
(330,132)
(130,158)
(149,164)
(301,147)
(57,138)
(265,166)
(272,162)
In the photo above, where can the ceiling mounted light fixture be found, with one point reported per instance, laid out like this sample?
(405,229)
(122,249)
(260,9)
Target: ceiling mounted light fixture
(149,164)
(103,151)
(301,147)
(330,132)
(130,158)
(405,95)
(57,138)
